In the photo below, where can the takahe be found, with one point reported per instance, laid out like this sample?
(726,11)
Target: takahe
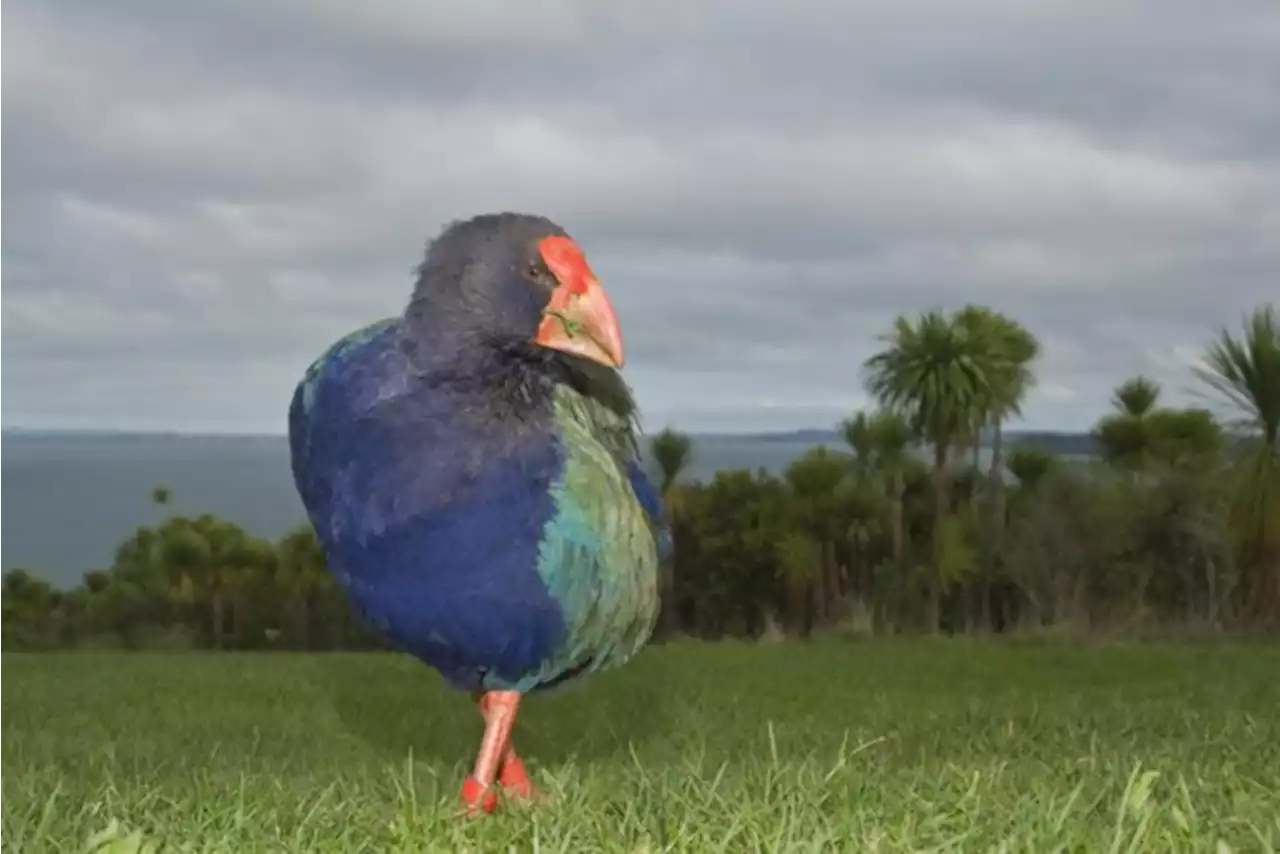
(472,474)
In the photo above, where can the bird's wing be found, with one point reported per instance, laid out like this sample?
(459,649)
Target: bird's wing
(302,408)
(600,552)
(651,501)
(604,405)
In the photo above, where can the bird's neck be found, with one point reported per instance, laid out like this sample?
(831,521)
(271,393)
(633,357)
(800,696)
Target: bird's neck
(479,374)
(447,351)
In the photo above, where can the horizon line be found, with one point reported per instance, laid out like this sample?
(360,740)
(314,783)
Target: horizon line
(259,434)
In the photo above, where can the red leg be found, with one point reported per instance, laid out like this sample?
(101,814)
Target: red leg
(512,774)
(500,709)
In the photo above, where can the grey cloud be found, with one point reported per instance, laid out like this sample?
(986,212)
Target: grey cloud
(203,195)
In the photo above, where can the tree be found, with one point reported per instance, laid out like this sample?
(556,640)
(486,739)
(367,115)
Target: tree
(939,373)
(891,441)
(672,452)
(1010,351)
(1180,527)
(1140,434)
(1244,372)
(730,531)
(1017,350)
(1123,437)
(1136,396)
(301,573)
(813,482)
(856,432)
(1183,438)
(29,604)
(1030,466)
(979,323)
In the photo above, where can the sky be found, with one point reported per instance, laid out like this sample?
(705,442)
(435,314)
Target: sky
(201,196)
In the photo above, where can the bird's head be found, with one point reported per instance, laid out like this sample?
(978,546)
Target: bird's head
(513,279)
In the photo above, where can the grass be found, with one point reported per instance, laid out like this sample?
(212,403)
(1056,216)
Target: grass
(830,746)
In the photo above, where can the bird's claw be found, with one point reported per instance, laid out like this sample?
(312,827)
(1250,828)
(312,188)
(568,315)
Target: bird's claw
(525,792)
(478,798)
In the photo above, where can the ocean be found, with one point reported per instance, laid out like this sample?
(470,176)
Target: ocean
(70,499)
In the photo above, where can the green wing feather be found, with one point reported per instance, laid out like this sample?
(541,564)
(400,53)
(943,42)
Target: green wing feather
(599,554)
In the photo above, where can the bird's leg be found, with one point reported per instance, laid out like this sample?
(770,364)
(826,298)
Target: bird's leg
(512,774)
(499,708)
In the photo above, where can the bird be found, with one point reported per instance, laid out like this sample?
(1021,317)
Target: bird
(472,471)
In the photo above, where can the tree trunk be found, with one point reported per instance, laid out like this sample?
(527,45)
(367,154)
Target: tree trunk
(996,479)
(991,569)
(899,524)
(833,593)
(219,617)
(802,596)
(303,618)
(667,602)
(975,487)
(972,602)
(939,514)
(237,621)
(1211,581)
(751,618)
(810,607)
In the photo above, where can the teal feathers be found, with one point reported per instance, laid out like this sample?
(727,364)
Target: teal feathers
(599,552)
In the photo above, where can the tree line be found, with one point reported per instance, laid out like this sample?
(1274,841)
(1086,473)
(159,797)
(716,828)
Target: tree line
(1174,527)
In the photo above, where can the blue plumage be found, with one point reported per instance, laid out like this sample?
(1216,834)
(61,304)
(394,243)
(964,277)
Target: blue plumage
(649,499)
(479,499)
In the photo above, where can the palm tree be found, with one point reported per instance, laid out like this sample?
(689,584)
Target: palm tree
(813,481)
(301,572)
(856,432)
(939,374)
(672,452)
(1184,438)
(1136,396)
(891,441)
(161,498)
(1019,350)
(1123,437)
(1031,465)
(979,323)
(1012,350)
(1245,372)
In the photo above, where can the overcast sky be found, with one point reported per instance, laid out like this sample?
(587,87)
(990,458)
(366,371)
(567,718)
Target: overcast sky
(201,196)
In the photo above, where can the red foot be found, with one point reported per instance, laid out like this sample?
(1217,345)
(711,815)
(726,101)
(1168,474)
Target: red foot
(477,797)
(516,783)
(514,775)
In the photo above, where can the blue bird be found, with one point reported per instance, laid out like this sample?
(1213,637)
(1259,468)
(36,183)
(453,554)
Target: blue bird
(472,473)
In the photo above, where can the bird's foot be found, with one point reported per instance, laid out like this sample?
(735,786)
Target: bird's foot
(478,798)
(479,794)
(516,784)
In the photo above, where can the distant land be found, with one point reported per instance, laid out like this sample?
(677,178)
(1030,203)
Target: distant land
(1067,444)
(73,496)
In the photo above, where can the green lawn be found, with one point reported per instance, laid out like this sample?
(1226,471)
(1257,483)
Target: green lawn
(830,746)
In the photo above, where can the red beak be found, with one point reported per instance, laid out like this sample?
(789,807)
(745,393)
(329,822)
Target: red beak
(582,321)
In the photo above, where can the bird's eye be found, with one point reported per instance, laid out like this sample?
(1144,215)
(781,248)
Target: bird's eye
(542,276)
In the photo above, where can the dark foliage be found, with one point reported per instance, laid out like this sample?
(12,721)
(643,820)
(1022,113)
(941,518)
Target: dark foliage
(1173,528)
